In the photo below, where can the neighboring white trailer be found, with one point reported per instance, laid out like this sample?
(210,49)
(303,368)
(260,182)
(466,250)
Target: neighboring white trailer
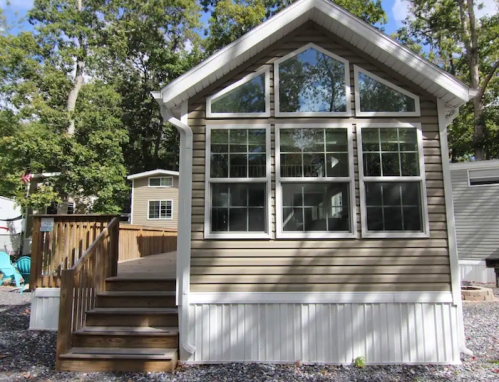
(10,230)
(475,191)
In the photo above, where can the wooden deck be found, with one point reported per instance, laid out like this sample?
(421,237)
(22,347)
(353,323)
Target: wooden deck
(163,265)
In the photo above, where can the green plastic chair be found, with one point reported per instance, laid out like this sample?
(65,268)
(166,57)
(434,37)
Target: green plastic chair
(8,270)
(23,265)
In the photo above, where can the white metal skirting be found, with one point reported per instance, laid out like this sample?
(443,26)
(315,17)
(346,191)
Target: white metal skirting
(475,270)
(45,309)
(328,333)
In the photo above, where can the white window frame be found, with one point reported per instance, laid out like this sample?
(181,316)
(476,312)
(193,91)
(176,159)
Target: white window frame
(242,81)
(160,201)
(358,113)
(159,177)
(208,181)
(280,234)
(348,90)
(421,179)
(483,178)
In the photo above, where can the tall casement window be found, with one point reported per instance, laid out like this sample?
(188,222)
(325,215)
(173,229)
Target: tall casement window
(160,209)
(315,191)
(392,180)
(237,181)
(312,82)
(375,96)
(248,97)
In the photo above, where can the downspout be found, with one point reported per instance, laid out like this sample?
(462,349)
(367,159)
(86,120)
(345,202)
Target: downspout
(184,221)
(443,121)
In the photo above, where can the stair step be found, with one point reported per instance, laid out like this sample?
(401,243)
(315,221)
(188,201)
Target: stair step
(128,330)
(132,317)
(122,359)
(126,337)
(123,353)
(121,283)
(141,299)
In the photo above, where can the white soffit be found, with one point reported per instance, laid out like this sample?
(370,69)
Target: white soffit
(340,22)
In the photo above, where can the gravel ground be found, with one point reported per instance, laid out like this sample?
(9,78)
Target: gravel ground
(30,356)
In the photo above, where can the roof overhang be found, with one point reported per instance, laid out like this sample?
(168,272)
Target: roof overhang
(152,173)
(339,21)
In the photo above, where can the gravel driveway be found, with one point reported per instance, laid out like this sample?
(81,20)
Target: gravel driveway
(30,356)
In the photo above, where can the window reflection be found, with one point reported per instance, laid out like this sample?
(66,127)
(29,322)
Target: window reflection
(378,97)
(246,98)
(312,81)
(315,207)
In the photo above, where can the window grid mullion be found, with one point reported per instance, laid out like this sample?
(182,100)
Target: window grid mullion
(380,155)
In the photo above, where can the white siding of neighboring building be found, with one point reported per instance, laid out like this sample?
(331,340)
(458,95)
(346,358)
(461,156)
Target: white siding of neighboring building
(476,211)
(10,240)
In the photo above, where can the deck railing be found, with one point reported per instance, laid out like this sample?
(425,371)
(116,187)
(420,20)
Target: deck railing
(72,235)
(63,246)
(84,280)
(137,241)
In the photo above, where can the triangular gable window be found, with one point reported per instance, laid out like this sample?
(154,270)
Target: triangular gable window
(376,96)
(248,97)
(312,82)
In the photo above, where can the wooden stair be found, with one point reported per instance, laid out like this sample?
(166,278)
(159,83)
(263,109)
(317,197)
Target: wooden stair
(133,327)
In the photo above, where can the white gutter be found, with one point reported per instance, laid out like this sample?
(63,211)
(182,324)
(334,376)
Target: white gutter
(184,221)
(443,121)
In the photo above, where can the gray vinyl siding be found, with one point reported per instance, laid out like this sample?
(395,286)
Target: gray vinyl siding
(476,211)
(142,193)
(319,265)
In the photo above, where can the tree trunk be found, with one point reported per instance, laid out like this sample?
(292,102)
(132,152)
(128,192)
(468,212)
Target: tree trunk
(468,24)
(79,79)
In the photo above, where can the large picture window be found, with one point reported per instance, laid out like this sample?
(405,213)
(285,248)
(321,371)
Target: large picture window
(237,181)
(375,96)
(312,82)
(315,191)
(392,180)
(248,97)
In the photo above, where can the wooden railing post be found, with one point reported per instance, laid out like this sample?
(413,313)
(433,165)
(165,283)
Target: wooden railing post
(116,248)
(64,334)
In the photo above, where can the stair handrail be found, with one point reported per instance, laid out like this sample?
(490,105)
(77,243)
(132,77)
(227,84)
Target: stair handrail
(81,283)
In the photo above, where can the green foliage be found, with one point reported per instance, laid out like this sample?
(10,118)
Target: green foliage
(230,19)
(359,362)
(437,24)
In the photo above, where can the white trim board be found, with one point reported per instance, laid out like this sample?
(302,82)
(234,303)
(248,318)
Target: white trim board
(152,173)
(359,113)
(242,81)
(319,297)
(348,93)
(334,18)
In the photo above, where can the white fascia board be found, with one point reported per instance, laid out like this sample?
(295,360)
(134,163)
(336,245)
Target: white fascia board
(319,297)
(152,173)
(176,92)
(475,165)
